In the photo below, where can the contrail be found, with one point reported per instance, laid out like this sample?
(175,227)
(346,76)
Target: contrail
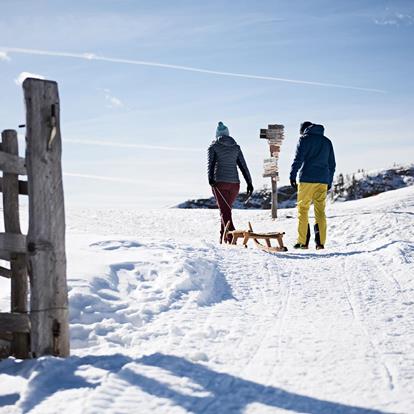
(103,178)
(125,145)
(92,56)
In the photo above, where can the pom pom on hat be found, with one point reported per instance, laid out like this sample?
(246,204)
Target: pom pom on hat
(222,130)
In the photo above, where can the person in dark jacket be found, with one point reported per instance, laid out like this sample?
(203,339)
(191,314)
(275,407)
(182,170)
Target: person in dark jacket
(224,156)
(315,159)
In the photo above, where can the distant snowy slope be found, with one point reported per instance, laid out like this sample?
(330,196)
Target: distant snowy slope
(165,320)
(368,183)
(349,187)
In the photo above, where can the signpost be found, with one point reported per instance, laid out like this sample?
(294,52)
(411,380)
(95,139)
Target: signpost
(274,135)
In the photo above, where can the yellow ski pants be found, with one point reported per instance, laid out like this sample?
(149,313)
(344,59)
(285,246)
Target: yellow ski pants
(308,193)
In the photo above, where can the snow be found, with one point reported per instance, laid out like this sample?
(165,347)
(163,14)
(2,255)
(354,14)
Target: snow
(165,320)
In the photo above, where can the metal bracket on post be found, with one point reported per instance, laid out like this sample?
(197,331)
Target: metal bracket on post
(53,126)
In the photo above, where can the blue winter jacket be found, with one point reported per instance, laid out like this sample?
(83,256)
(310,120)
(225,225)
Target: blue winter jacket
(314,157)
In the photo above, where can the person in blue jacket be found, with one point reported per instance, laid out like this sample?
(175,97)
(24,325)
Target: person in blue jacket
(315,161)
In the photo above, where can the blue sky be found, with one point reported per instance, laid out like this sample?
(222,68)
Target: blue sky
(137,134)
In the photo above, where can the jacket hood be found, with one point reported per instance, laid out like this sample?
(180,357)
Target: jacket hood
(226,141)
(314,130)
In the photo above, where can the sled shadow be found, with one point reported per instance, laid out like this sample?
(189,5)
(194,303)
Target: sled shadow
(222,393)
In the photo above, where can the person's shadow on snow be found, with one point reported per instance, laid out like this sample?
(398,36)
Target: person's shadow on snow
(230,394)
(225,393)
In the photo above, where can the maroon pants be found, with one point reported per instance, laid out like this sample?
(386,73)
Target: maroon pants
(226,194)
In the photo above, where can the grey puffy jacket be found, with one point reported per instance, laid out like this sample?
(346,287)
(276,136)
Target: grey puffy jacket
(224,155)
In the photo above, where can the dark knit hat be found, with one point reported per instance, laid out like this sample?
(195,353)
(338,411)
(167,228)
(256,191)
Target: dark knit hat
(304,125)
(221,130)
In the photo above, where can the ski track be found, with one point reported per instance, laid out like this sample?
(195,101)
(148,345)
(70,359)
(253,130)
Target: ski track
(357,316)
(187,326)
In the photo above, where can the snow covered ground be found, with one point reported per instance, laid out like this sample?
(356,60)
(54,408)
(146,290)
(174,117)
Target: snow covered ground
(165,320)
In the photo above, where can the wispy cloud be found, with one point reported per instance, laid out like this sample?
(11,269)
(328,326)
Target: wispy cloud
(92,56)
(130,146)
(22,76)
(4,57)
(114,102)
(111,100)
(395,19)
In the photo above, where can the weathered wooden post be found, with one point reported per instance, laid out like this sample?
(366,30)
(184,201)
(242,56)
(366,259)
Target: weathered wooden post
(46,237)
(18,268)
(275,135)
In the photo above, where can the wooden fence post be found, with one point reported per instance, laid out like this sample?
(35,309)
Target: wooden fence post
(46,236)
(18,267)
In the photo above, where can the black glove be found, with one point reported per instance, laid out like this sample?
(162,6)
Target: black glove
(249,190)
(294,184)
(212,182)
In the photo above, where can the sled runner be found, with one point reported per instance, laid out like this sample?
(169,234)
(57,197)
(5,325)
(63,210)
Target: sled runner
(246,235)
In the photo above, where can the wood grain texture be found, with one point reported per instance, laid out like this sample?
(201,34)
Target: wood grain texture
(5,255)
(5,272)
(12,163)
(6,336)
(22,187)
(46,237)
(14,322)
(15,242)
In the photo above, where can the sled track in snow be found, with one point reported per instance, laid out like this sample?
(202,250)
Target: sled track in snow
(285,310)
(264,300)
(263,319)
(356,315)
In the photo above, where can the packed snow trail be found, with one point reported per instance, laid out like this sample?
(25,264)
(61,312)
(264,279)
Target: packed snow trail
(183,325)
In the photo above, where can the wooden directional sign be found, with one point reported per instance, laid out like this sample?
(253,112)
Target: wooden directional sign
(270,167)
(274,175)
(275,136)
(275,141)
(270,162)
(274,133)
(276,126)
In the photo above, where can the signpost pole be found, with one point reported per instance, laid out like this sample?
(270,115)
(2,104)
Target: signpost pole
(274,135)
(274,197)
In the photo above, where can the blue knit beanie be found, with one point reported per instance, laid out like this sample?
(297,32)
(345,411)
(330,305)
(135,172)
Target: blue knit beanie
(222,130)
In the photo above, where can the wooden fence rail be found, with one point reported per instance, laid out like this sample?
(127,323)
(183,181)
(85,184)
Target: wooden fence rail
(13,243)
(41,328)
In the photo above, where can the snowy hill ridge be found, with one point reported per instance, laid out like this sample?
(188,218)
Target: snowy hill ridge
(349,187)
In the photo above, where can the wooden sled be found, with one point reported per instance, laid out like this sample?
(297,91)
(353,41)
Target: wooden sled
(246,235)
